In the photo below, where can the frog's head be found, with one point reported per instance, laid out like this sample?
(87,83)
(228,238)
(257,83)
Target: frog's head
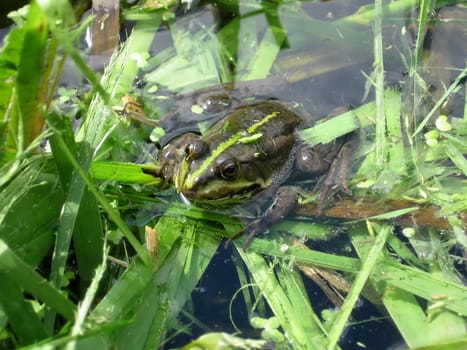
(228,173)
(244,153)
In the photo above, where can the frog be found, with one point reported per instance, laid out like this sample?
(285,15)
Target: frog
(248,155)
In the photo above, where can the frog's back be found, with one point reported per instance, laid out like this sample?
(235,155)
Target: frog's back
(268,118)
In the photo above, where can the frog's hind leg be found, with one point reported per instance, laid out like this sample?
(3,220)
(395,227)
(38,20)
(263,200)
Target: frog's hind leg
(336,178)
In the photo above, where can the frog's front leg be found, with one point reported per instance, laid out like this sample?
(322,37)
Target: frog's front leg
(285,202)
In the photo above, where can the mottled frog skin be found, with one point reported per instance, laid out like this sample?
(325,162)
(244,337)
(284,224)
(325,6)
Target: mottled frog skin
(249,154)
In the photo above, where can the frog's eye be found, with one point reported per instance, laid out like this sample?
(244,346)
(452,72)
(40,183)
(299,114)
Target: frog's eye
(228,169)
(195,150)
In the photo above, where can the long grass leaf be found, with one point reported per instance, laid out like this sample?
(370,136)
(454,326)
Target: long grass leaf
(288,304)
(85,305)
(9,61)
(113,214)
(21,316)
(123,172)
(453,296)
(35,187)
(169,288)
(342,124)
(33,283)
(330,261)
(378,72)
(457,158)
(368,265)
(30,75)
(91,135)
(400,305)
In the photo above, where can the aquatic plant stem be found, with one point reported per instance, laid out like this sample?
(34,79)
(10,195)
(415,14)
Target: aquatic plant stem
(378,66)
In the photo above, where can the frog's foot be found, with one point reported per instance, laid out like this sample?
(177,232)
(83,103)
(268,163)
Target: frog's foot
(335,179)
(285,202)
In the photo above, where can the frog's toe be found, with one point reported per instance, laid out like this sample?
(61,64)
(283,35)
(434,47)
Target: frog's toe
(253,229)
(328,190)
(248,240)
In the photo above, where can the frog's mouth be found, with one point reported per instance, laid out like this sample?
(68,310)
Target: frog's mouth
(224,195)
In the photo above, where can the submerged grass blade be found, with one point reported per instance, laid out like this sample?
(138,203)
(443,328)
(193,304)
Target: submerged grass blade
(440,102)
(378,73)
(457,158)
(399,304)
(287,298)
(263,59)
(425,285)
(330,261)
(399,284)
(418,327)
(368,265)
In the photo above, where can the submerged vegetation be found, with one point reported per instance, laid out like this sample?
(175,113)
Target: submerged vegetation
(76,206)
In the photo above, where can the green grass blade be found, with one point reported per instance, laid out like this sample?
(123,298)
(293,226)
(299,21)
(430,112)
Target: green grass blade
(378,73)
(457,158)
(85,305)
(400,304)
(69,211)
(90,136)
(30,75)
(330,261)
(123,172)
(442,100)
(287,299)
(153,299)
(367,267)
(177,277)
(9,61)
(21,316)
(392,274)
(33,283)
(425,285)
(417,328)
(86,240)
(61,17)
(34,187)
(87,243)
(261,62)
(123,295)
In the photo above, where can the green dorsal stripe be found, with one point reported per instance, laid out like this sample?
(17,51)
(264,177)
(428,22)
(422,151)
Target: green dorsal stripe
(263,121)
(226,144)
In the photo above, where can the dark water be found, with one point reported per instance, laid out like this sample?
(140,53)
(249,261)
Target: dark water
(210,305)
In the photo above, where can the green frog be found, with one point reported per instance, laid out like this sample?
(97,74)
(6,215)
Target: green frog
(248,155)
